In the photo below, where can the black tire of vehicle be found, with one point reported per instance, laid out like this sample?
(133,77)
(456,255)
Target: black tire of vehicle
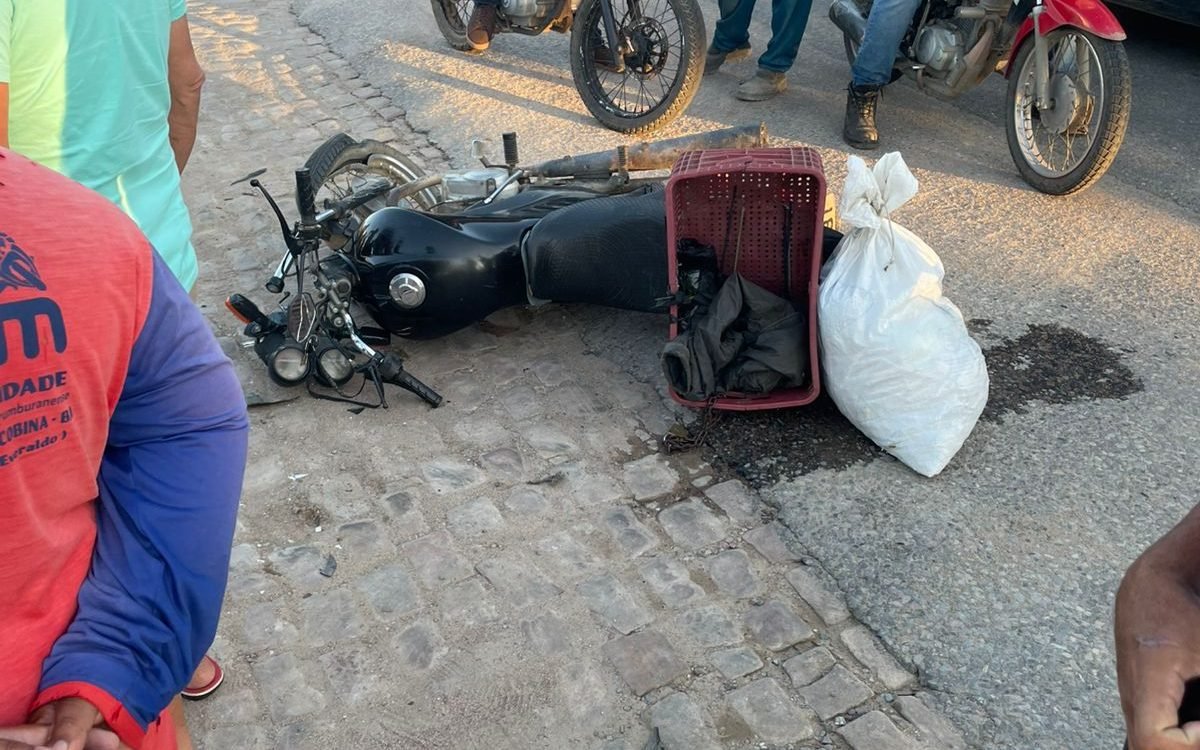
(1115,101)
(451,24)
(341,152)
(693,38)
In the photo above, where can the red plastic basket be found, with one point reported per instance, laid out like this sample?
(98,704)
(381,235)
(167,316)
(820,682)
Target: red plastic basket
(706,193)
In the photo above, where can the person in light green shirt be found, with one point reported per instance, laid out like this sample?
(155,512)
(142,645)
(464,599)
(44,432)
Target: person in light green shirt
(107,92)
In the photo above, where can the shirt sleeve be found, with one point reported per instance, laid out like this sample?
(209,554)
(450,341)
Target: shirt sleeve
(170,482)
(178,9)
(6,23)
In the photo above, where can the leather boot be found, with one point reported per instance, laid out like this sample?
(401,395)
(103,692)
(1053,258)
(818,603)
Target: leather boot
(859,129)
(714,58)
(602,54)
(481,27)
(764,85)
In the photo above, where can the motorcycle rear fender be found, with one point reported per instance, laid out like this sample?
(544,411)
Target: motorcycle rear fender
(1091,16)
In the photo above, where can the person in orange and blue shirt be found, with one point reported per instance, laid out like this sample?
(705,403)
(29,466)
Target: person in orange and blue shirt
(122,446)
(109,95)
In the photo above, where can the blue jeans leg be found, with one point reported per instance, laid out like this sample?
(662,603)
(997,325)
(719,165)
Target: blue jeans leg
(733,27)
(886,27)
(788,21)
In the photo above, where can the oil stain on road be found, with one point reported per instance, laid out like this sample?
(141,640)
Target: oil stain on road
(1048,364)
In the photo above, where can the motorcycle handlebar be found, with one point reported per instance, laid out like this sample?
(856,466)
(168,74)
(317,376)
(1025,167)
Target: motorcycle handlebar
(305,197)
(409,383)
(391,370)
(346,205)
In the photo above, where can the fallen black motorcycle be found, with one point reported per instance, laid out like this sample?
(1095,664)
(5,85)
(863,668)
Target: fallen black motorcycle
(383,249)
(636,64)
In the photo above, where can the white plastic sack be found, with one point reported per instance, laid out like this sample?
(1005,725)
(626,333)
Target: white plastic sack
(897,357)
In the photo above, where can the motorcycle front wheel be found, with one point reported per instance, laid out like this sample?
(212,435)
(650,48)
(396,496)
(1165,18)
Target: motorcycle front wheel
(451,17)
(342,165)
(661,43)
(1069,145)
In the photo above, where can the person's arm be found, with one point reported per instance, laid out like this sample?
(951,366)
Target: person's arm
(1158,639)
(185,78)
(170,482)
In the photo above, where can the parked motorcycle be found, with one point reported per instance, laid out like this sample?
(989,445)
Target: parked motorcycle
(1068,75)
(423,255)
(636,64)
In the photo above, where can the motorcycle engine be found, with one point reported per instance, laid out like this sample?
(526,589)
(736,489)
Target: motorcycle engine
(939,46)
(527,12)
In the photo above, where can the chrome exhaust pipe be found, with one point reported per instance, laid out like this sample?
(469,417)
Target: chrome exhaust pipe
(847,16)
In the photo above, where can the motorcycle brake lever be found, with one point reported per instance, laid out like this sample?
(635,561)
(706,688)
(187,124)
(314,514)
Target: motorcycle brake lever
(252,175)
(288,237)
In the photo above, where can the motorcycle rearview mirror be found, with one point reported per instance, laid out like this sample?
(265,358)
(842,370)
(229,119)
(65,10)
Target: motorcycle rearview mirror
(302,317)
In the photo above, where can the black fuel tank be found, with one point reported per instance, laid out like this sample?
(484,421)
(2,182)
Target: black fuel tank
(469,267)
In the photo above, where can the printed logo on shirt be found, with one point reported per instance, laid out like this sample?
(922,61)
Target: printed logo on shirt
(17,268)
(34,408)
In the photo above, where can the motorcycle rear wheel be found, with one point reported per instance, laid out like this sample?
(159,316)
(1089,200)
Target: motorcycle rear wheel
(663,66)
(451,17)
(341,165)
(1092,75)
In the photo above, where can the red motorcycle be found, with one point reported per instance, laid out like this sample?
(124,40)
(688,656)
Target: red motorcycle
(1068,75)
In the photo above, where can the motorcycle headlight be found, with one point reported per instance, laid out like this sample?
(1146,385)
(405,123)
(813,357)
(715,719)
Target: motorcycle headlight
(289,364)
(333,366)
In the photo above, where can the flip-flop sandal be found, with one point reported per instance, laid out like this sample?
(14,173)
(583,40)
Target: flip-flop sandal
(195,694)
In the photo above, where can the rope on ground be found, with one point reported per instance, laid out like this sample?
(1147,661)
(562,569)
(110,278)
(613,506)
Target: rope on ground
(680,438)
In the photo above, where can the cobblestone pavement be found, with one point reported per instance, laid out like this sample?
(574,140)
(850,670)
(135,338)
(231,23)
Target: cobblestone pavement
(520,568)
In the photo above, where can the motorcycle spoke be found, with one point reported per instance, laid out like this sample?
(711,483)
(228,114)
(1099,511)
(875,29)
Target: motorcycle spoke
(651,42)
(1059,140)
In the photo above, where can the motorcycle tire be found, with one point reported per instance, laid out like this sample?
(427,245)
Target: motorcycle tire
(1113,99)
(340,161)
(451,17)
(649,63)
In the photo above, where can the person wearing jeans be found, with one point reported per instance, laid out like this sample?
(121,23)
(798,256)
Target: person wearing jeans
(731,41)
(887,24)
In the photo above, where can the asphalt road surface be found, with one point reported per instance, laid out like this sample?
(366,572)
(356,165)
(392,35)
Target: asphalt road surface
(995,579)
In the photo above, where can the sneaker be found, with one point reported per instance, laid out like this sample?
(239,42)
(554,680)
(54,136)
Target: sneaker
(715,58)
(481,27)
(764,85)
(859,128)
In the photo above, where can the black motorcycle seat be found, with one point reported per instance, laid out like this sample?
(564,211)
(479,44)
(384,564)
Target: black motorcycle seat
(609,251)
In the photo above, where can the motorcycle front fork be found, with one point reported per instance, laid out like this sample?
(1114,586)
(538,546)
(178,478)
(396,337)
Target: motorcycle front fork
(610,33)
(1041,60)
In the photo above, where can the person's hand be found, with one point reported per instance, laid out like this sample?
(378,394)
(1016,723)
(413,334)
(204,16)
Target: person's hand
(74,724)
(25,737)
(1158,651)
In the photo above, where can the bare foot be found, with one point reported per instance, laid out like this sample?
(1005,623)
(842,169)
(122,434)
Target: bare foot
(203,674)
